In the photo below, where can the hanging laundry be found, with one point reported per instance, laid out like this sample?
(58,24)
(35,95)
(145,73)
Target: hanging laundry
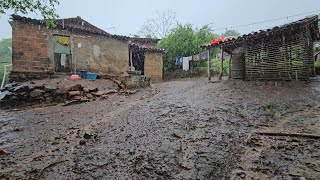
(63,40)
(196,57)
(185,63)
(204,55)
(63,60)
(179,61)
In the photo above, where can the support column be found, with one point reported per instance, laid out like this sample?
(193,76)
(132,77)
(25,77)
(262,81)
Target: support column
(209,75)
(221,63)
(131,63)
(230,61)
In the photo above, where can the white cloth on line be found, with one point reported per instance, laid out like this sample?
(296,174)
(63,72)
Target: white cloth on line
(63,60)
(185,63)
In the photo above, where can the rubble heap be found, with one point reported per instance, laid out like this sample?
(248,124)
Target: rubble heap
(19,95)
(16,94)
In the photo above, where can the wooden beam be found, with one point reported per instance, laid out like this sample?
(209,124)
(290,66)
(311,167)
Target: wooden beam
(221,63)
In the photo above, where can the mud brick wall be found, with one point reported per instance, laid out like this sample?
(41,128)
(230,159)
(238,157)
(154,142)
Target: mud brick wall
(153,66)
(33,53)
(102,54)
(29,48)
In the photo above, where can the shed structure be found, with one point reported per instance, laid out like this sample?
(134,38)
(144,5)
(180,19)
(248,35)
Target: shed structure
(280,53)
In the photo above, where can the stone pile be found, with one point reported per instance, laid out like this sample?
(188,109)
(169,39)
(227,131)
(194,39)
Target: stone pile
(16,94)
(78,93)
(19,95)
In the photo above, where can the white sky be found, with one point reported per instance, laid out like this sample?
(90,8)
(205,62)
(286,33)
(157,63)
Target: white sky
(128,16)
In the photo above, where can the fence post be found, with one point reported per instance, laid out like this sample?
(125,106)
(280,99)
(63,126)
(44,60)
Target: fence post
(221,64)
(209,76)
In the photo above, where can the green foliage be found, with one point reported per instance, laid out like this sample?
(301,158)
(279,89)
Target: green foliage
(271,108)
(5,55)
(216,66)
(230,33)
(317,67)
(45,7)
(184,40)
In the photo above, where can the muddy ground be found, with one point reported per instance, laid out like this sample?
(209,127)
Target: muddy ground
(188,129)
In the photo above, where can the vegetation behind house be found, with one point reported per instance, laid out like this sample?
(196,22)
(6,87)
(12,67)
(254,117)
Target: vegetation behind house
(5,55)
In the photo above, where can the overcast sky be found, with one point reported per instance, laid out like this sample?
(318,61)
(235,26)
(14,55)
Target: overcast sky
(128,16)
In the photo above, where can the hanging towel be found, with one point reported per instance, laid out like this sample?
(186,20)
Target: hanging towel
(179,61)
(196,57)
(63,40)
(185,63)
(63,60)
(204,55)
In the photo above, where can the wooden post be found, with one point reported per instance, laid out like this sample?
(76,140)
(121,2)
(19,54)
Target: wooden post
(230,66)
(221,64)
(131,63)
(209,76)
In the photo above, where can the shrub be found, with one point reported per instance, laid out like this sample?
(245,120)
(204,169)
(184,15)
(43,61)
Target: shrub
(317,67)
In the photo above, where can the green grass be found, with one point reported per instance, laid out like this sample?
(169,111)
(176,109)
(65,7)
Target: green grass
(271,108)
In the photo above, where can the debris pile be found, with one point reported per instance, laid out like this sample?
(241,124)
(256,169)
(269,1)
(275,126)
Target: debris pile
(17,95)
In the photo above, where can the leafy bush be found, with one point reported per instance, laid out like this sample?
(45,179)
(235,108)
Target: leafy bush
(217,66)
(185,40)
(5,56)
(317,67)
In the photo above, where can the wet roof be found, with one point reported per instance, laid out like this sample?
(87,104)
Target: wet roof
(310,22)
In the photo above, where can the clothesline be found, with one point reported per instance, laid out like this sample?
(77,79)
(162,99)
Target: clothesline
(184,61)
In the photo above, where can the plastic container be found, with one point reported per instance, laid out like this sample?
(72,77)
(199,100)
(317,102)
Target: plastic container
(75,77)
(91,76)
(83,74)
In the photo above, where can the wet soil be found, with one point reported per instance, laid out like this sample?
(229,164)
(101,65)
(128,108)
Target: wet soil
(189,129)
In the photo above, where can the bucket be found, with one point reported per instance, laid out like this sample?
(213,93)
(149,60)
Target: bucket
(83,74)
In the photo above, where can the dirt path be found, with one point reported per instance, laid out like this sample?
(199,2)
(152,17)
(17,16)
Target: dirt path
(190,129)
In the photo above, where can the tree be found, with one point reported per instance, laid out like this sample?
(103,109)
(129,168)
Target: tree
(5,54)
(160,26)
(45,7)
(230,32)
(184,40)
(5,51)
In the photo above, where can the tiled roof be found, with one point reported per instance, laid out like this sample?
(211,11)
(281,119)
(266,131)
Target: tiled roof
(146,48)
(82,26)
(73,24)
(311,22)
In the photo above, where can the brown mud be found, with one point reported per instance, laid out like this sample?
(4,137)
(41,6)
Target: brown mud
(187,129)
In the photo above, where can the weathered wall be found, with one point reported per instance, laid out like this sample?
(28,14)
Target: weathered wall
(153,66)
(29,48)
(101,54)
(33,51)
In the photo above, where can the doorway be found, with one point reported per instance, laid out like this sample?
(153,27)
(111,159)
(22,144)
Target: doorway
(62,62)
(62,53)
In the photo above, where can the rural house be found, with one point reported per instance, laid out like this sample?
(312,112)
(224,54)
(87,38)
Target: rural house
(39,52)
(280,53)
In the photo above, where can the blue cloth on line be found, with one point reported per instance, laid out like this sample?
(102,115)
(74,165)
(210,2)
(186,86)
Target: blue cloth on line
(179,61)
(204,55)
